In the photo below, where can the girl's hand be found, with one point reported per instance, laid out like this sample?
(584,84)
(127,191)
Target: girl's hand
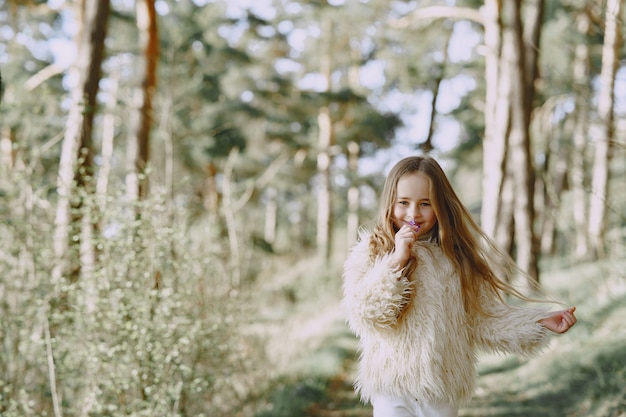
(404,239)
(559,321)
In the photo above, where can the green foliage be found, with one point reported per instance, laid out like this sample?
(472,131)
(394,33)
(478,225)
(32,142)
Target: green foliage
(294,398)
(152,329)
(158,324)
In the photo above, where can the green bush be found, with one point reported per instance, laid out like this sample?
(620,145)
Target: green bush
(151,329)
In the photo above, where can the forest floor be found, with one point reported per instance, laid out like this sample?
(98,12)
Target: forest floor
(581,373)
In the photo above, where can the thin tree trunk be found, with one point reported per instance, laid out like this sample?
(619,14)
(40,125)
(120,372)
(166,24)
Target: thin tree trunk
(229,210)
(132,150)
(579,137)
(76,164)
(168,162)
(324,161)
(554,190)
(505,228)
(520,145)
(7,150)
(271,215)
(496,120)
(108,138)
(600,179)
(324,156)
(353,151)
(353,194)
(533,23)
(553,175)
(138,153)
(427,146)
(149,39)
(524,67)
(210,194)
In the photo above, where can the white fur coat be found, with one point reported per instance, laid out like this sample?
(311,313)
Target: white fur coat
(415,339)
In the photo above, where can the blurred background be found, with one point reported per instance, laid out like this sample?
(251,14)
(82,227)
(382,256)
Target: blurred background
(180,181)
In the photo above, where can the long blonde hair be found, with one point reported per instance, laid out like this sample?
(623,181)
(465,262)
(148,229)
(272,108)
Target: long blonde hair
(474,255)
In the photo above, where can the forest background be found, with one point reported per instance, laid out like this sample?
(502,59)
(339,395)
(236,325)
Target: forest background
(181,180)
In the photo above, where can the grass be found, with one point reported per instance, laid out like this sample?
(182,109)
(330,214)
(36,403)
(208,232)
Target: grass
(581,373)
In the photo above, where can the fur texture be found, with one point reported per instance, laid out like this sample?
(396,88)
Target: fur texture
(415,338)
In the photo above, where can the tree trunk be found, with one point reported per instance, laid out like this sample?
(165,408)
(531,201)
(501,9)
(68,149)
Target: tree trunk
(504,226)
(554,190)
(523,73)
(554,175)
(229,211)
(600,171)
(353,194)
(76,164)
(108,138)
(496,120)
(271,215)
(7,151)
(533,22)
(139,153)
(325,157)
(577,170)
(324,162)
(427,145)
(149,39)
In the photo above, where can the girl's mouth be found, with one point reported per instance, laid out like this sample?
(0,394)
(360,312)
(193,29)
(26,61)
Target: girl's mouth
(414,225)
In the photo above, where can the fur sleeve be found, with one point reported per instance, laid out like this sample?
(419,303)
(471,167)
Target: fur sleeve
(510,328)
(374,296)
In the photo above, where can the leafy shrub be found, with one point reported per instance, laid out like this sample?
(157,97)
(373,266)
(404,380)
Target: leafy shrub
(151,329)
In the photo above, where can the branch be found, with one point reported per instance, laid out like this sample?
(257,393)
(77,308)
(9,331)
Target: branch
(51,373)
(438,12)
(229,216)
(263,180)
(41,76)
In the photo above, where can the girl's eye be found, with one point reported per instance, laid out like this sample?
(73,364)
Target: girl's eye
(403,203)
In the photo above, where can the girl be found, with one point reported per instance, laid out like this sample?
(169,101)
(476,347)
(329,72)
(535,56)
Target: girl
(422,294)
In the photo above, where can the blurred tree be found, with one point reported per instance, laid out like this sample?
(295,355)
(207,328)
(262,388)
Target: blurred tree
(497,111)
(429,62)
(508,178)
(31,84)
(30,118)
(582,80)
(523,72)
(108,138)
(138,151)
(332,92)
(76,166)
(579,50)
(613,25)
(326,138)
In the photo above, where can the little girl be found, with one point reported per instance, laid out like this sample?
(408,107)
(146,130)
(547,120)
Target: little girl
(421,292)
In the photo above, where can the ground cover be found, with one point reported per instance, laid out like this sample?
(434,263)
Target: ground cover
(581,373)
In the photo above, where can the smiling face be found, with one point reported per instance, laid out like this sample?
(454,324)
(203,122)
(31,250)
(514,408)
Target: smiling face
(413,204)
